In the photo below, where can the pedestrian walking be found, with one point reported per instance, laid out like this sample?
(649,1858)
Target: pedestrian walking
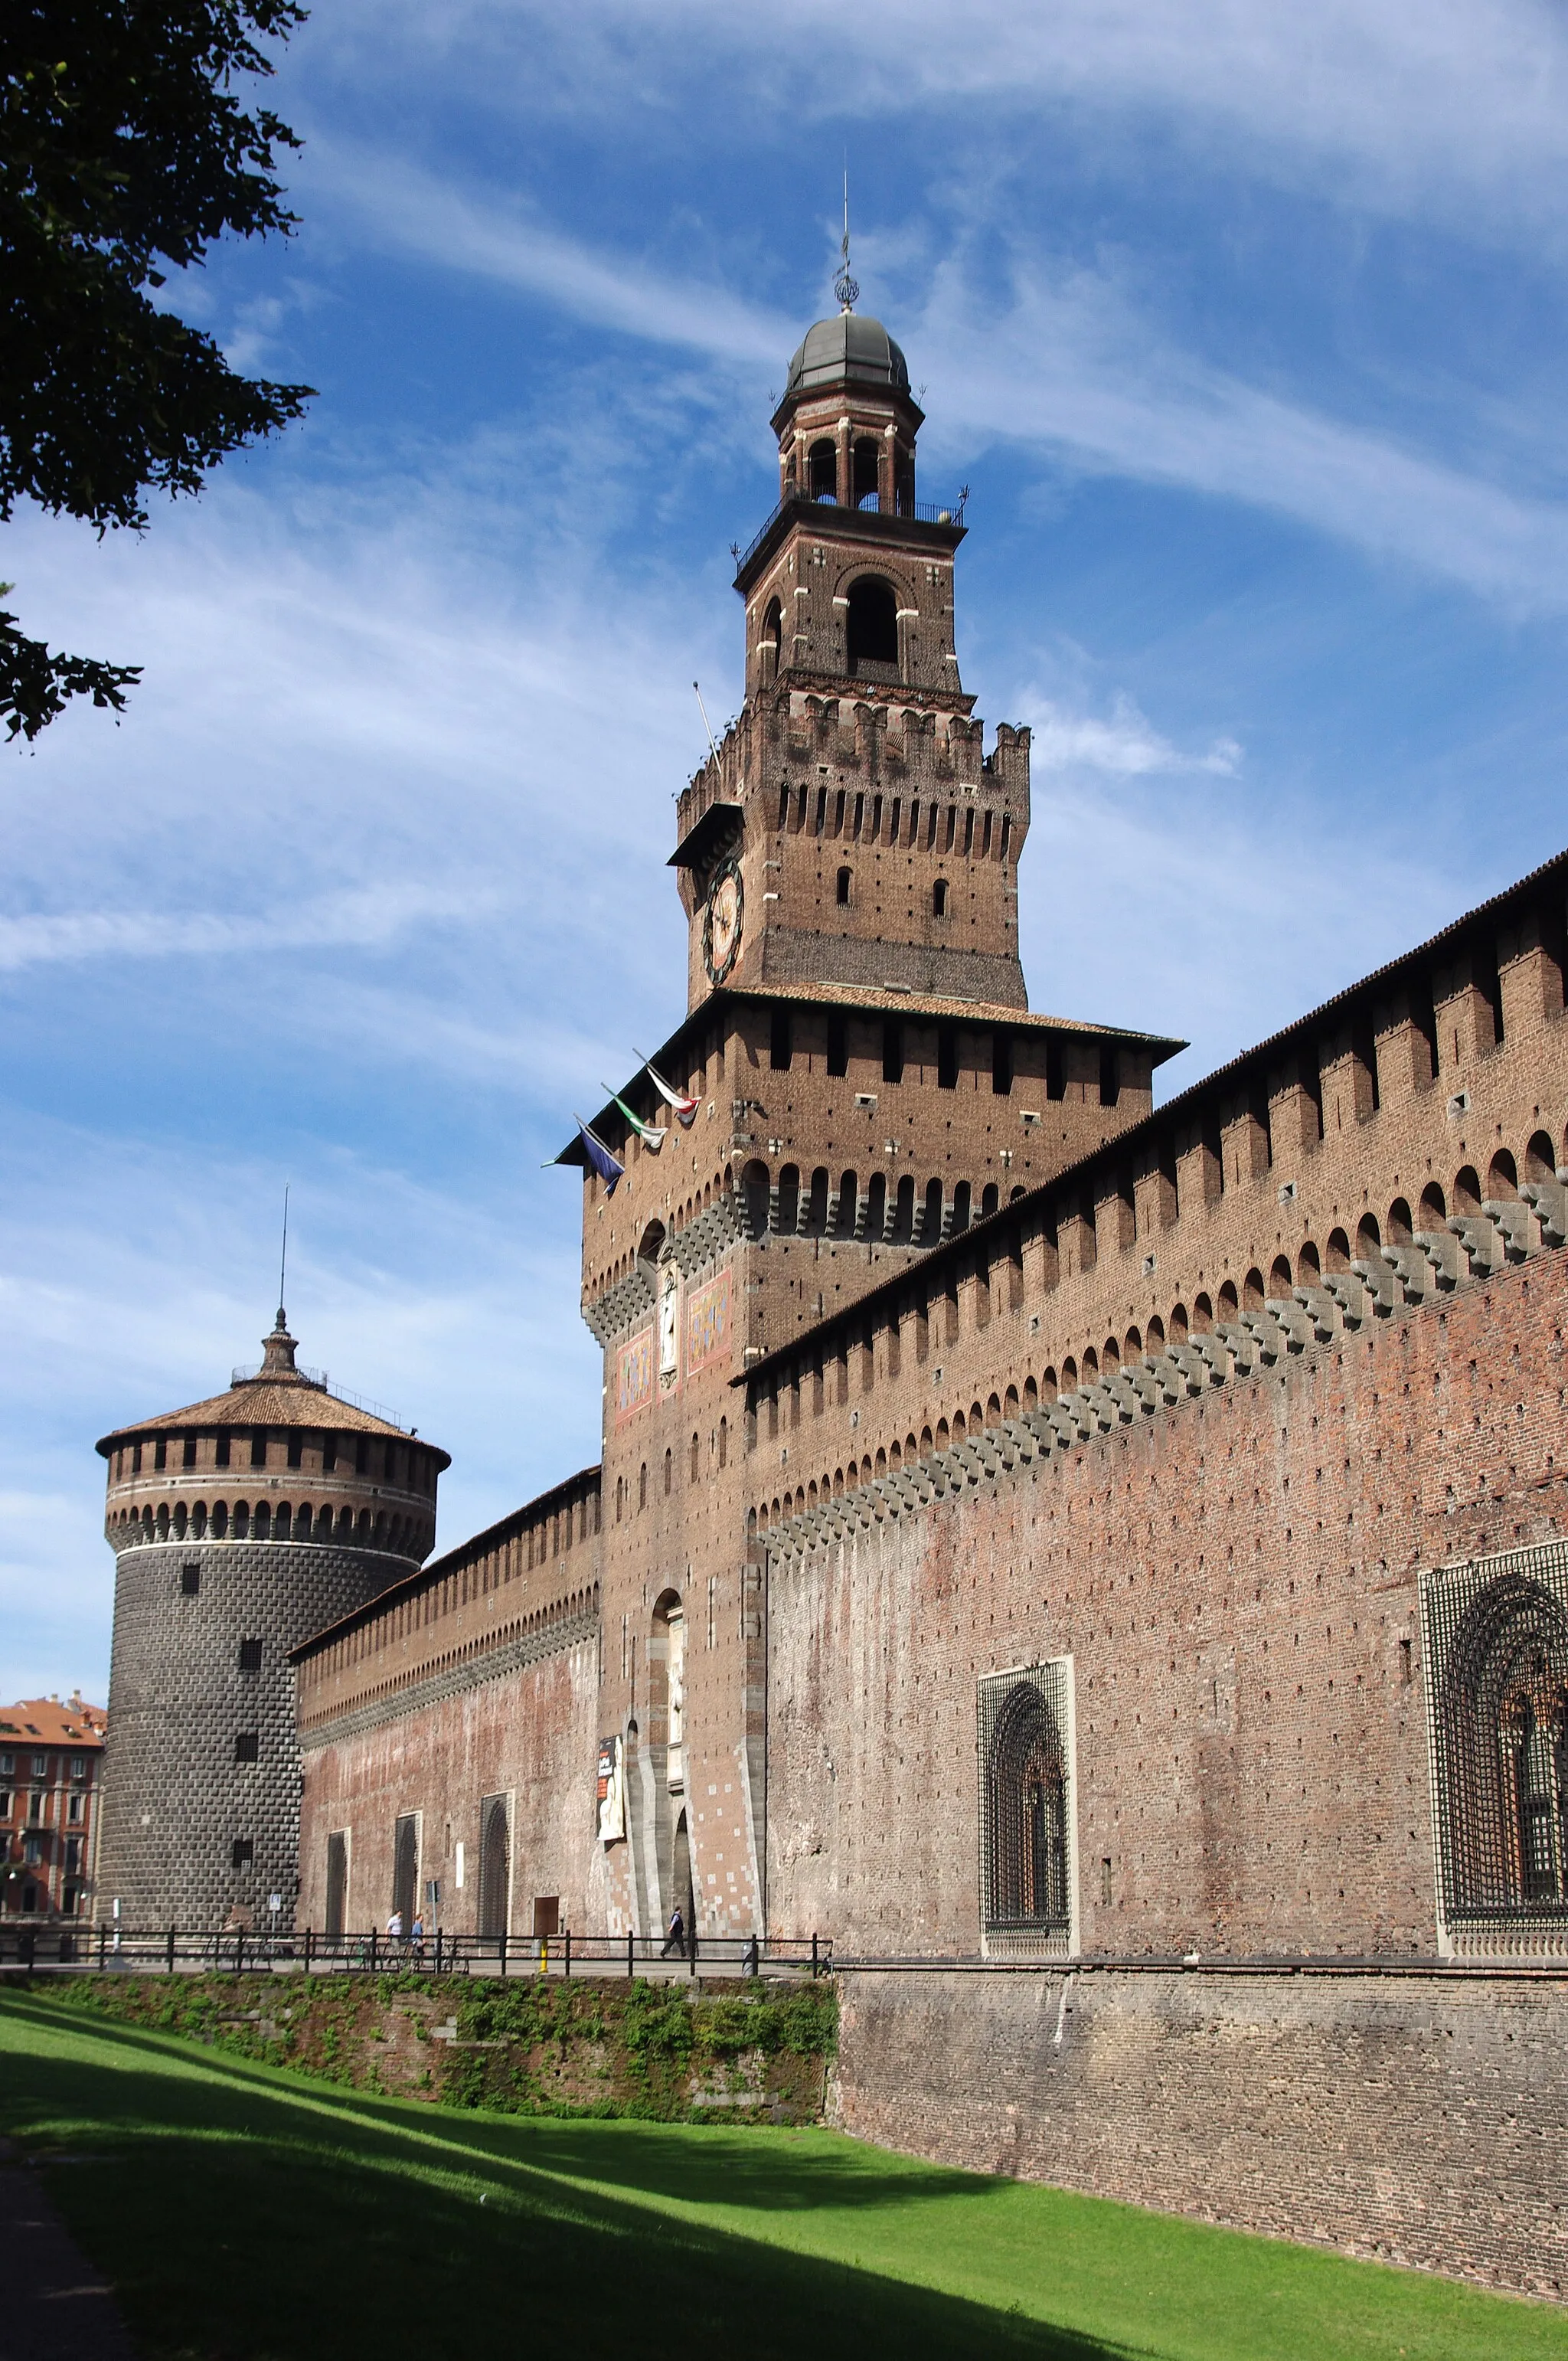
(751,1962)
(395,1927)
(675,1940)
(416,1939)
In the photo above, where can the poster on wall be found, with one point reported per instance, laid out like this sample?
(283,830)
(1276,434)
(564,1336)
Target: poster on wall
(708,1321)
(634,1374)
(611,1793)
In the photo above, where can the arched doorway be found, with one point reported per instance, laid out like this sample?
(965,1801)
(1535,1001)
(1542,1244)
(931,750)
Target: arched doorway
(495,1865)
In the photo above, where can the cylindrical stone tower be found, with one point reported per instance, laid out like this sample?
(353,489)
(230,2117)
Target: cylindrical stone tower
(240,1526)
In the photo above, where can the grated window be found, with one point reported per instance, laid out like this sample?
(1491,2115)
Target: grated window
(1025,1786)
(1495,1641)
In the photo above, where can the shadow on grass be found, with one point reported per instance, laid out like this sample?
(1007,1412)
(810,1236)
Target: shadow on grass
(244,2216)
(763,2168)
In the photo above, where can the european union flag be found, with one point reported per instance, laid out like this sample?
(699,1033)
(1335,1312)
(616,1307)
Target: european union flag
(606,1166)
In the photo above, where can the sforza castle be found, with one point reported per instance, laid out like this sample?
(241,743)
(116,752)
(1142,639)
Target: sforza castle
(1105,1565)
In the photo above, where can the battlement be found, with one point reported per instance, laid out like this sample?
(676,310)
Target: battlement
(1394,1146)
(518,1584)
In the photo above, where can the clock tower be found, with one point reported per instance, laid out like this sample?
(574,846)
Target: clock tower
(850,829)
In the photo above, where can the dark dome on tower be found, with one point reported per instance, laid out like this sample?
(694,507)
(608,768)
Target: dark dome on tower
(848,349)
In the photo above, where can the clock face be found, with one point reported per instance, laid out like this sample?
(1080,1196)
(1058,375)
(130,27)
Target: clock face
(721,923)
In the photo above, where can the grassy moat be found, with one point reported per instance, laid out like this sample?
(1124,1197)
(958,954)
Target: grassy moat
(248,2211)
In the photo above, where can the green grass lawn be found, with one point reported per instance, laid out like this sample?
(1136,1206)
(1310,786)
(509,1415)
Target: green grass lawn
(248,2214)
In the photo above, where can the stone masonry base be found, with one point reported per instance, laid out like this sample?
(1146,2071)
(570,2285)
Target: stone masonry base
(1414,2115)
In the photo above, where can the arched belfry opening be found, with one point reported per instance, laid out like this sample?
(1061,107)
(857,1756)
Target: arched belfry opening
(650,1244)
(822,464)
(866,458)
(872,626)
(771,646)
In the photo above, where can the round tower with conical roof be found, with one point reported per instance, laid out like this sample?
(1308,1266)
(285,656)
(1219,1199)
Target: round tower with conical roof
(240,1525)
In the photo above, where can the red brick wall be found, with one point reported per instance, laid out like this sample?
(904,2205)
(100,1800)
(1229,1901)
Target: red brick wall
(1415,2118)
(1232,1579)
(531,1734)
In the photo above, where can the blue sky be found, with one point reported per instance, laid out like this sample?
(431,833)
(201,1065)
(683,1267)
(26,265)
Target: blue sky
(1246,329)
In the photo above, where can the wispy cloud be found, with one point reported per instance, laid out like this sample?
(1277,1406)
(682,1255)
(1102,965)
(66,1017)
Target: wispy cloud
(1068,367)
(1072,367)
(401,209)
(371,915)
(1457,109)
(1120,745)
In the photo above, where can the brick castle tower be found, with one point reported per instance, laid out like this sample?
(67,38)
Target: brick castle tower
(868,1076)
(239,1525)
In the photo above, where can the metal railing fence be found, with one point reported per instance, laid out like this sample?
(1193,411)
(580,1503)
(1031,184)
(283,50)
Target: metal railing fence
(174,1950)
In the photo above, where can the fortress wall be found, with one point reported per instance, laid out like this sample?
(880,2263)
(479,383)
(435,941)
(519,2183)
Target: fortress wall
(512,1583)
(1236,1581)
(1340,1119)
(1413,2116)
(528,1731)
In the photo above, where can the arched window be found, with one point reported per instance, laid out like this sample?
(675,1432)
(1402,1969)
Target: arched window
(650,1244)
(842,896)
(822,461)
(865,465)
(1500,1686)
(772,633)
(1024,1835)
(669,1472)
(872,628)
(643,1486)
(756,1189)
(940,898)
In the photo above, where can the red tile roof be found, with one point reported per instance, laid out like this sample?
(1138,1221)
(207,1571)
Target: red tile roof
(45,1722)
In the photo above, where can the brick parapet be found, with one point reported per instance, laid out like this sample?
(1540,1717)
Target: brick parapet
(522,1586)
(1132,1251)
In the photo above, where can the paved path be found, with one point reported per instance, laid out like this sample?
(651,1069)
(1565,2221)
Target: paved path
(57,2308)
